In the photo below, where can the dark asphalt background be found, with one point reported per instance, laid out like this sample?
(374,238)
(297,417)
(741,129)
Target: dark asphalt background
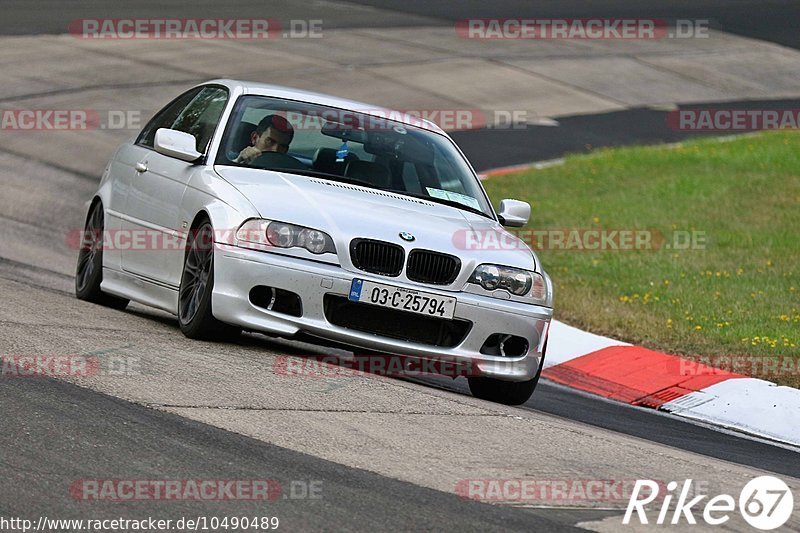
(769,20)
(489,149)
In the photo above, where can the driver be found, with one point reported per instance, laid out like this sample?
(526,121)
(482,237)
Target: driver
(273,134)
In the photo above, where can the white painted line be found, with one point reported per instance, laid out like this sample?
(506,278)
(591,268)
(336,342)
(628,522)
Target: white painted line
(746,404)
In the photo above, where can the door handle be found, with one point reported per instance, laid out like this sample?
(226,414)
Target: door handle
(141,167)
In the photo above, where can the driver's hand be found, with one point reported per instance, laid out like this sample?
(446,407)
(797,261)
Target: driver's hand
(247,155)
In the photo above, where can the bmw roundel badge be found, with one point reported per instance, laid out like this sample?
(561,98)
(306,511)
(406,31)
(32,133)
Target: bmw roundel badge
(406,236)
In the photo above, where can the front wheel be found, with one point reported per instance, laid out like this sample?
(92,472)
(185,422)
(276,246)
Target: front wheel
(89,272)
(197,283)
(506,392)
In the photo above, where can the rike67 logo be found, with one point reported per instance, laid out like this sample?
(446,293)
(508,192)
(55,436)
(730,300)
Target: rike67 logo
(765,503)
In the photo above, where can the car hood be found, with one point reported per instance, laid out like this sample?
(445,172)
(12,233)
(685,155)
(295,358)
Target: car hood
(346,211)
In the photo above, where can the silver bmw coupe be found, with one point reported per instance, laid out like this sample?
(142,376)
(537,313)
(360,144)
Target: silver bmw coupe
(244,206)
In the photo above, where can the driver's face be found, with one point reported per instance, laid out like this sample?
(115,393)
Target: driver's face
(271,140)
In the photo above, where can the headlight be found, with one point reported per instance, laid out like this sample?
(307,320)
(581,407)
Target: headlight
(266,233)
(516,281)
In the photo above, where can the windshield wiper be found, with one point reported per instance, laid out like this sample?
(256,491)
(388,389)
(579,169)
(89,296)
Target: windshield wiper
(333,177)
(444,201)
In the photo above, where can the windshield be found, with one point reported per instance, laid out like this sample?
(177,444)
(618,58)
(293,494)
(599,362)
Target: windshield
(374,151)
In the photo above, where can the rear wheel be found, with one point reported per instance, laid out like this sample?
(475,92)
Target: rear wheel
(89,272)
(506,392)
(197,283)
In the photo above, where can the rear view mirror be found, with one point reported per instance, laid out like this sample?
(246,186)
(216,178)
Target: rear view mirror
(514,213)
(178,144)
(344,132)
(413,150)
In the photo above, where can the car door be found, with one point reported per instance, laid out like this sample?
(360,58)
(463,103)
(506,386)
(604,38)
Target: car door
(152,207)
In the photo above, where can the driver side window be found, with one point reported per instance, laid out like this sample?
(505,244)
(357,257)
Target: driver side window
(196,112)
(165,118)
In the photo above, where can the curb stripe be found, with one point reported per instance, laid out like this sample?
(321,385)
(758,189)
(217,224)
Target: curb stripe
(636,375)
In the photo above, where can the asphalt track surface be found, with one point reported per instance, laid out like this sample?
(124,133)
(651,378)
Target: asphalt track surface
(491,149)
(52,433)
(82,439)
(773,20)
(554,399)
(769,20)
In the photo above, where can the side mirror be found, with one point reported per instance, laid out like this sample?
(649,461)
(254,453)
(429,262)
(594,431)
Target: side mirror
(178,144)
(514,213)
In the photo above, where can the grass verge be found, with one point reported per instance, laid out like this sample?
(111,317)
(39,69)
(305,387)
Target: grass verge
(734,292)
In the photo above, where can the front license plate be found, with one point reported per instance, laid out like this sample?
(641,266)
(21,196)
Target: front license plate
(413,301)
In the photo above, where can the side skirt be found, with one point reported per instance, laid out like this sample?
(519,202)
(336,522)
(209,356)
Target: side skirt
(139,289)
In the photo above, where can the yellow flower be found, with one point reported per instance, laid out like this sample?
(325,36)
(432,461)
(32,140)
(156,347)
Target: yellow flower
(698,327)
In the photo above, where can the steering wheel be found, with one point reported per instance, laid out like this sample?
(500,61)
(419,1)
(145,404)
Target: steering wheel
(277,161)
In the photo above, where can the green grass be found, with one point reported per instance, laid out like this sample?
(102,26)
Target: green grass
(739,295)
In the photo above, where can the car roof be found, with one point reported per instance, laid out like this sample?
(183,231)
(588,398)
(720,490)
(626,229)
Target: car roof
(289,93)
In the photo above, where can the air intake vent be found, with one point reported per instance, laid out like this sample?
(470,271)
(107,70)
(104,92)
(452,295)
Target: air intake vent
(384,322)
(377,257)
(432,267)
(376,192)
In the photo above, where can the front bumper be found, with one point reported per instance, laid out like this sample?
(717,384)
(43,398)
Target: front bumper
(237,270)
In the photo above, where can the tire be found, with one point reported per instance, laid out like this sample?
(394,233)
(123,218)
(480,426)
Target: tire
(197,283)
(506,392)
(89,271)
